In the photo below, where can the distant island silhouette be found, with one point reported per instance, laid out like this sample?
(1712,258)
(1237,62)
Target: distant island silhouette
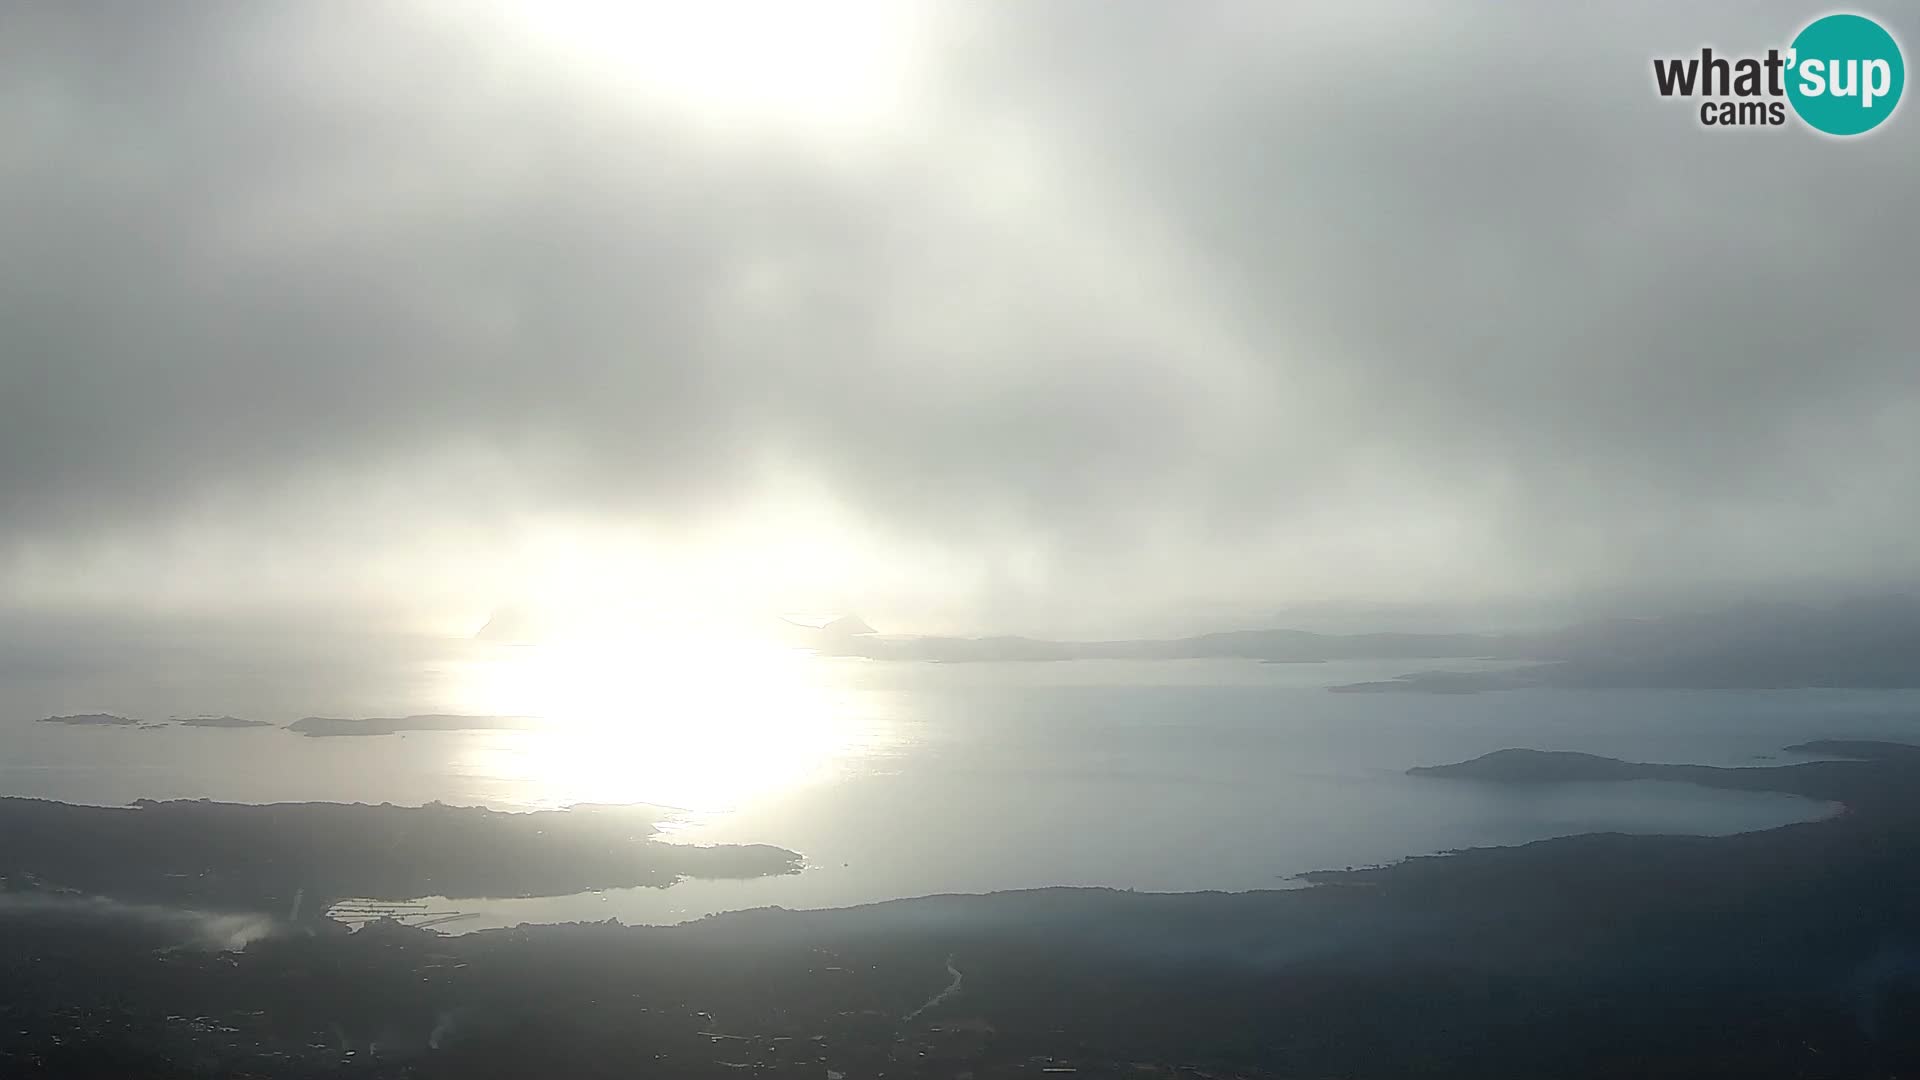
(220,722)
(323,727)
(1867,643)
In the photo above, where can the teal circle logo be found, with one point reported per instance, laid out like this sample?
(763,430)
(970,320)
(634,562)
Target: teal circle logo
(1845,74)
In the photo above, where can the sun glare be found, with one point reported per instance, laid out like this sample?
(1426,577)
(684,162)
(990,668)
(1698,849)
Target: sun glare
(826,61)
(690,722)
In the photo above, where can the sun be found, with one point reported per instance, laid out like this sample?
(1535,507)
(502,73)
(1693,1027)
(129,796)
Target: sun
(820,62)
(693,722)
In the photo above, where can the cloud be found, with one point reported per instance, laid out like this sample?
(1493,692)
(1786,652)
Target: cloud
(1205,300)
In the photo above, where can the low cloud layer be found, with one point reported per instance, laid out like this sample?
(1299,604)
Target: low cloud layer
(1044,315)
(222,931)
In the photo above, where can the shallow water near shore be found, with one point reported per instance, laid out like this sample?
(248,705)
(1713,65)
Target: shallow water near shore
(906,780)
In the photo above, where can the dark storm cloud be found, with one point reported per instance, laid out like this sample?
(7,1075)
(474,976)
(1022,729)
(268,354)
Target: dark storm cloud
(1206,297)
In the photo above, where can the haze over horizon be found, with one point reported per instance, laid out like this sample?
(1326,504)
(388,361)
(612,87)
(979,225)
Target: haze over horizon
(388,316)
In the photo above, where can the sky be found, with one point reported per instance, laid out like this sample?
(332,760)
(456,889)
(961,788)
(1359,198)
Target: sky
(1082,317)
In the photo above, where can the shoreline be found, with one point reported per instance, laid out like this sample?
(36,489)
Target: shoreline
(663,862)
(1580,957)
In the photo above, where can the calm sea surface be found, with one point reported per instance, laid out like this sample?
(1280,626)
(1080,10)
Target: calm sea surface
(906,780)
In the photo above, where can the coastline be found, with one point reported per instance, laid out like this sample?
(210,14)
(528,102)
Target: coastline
(1570,956)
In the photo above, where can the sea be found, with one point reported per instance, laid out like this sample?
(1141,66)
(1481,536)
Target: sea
(910,779)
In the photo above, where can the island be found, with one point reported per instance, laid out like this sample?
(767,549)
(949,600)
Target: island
(324,727)
(1865,642)
(230,722)
(1862,775)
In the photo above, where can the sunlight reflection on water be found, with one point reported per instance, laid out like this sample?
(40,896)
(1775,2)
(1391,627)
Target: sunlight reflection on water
(909,779)
(698,728)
